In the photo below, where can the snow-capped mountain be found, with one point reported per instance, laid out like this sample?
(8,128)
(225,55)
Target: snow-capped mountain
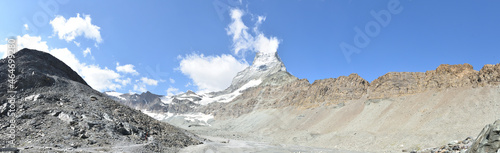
(192,107)
(264,65)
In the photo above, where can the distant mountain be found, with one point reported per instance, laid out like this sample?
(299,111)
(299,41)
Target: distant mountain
(58,111)
(267,84)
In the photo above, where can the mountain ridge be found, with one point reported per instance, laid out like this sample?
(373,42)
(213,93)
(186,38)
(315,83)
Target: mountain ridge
(281,89)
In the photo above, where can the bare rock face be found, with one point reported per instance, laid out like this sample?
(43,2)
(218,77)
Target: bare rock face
(445,76)
(489,74)
(488,141)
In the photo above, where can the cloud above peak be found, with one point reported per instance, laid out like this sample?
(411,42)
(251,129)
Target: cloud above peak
(245,40)
(211,73)
(69,29)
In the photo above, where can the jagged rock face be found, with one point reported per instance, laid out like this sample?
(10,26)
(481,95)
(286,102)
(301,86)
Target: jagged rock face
(294,92)
(264,64)
(488,141)
(490,74)
(67,114)
(445,76)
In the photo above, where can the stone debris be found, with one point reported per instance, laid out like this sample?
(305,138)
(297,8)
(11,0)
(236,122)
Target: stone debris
(452,147)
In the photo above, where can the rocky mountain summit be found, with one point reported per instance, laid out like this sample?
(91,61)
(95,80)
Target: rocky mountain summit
(264,65)
(58,111)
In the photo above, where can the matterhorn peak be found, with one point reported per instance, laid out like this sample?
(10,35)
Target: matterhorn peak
(264,61)
(264,64)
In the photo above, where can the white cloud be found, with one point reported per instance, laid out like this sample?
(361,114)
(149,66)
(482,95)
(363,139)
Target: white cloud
(211,73)
(27,41)
(86,52)
(243,40)
(26,27)
(76,43)
(173,91)
(97,77)
(128,68)
(69,29)
(140,87)
(100,79)
(172,80)
(124,82)
(149,81)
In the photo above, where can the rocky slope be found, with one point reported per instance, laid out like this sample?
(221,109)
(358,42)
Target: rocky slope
(337,91)
(58,111)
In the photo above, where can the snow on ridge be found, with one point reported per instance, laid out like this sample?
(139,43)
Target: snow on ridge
(115,94)
(229,97)
(192,117)
(158,116)
(166,99)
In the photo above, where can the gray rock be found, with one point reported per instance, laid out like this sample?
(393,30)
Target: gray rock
(488,141)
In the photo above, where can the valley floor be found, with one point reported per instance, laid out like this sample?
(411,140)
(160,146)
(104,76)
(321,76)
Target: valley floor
(220,141)
(412,122)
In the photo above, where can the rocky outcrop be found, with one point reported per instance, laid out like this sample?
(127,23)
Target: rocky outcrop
(488,141)
(395,84)
(489,74)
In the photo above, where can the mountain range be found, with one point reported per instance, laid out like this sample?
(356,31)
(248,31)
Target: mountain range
(398,110)
(411,111)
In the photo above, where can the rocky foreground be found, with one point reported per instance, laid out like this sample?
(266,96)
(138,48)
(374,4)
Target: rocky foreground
(57,111)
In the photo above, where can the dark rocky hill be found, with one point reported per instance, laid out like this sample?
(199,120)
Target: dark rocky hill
(57,111)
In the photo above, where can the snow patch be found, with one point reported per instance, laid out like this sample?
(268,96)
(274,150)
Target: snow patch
(158,116)
(32,97)
(115,94)
(166,99)
(228,97)
(198,117)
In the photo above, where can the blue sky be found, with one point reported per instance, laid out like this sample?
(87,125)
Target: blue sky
(150,39)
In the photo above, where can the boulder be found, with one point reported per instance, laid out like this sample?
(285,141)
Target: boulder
(488,141)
